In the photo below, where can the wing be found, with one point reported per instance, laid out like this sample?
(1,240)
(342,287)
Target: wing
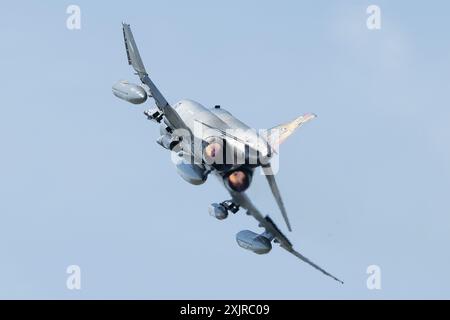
(134,59)
(267,169)
(265,222)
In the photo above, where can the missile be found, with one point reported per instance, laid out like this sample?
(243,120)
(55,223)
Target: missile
(129,92)
(257,243)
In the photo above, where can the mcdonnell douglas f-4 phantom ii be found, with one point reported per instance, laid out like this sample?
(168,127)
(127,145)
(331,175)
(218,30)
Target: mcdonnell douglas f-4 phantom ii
(212,141)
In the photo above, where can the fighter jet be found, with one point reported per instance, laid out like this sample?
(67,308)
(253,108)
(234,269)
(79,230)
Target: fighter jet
(211,141)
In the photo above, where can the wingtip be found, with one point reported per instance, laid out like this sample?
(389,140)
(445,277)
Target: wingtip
(286,220)
(338,280)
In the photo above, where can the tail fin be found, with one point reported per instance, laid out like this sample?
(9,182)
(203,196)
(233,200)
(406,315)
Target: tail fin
(279,134)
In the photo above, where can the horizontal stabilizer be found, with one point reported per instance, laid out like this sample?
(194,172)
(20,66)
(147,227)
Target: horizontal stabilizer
(268,172)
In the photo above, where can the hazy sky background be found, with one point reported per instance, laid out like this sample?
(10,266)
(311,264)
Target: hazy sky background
(83,182)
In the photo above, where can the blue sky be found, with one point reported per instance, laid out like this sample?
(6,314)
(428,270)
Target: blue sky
(83,181)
